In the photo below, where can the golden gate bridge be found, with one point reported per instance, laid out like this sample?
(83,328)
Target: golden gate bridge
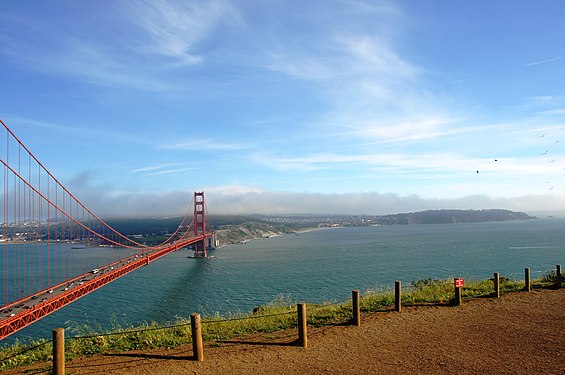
(54,250)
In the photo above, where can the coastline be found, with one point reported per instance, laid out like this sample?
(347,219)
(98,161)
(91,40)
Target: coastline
(264,235)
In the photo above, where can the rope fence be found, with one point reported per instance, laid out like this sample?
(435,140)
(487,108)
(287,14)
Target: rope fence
(318,314)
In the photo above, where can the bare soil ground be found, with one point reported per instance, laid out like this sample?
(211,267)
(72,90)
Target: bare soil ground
(520,333)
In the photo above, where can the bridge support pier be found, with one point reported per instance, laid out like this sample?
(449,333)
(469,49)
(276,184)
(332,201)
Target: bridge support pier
(200,249)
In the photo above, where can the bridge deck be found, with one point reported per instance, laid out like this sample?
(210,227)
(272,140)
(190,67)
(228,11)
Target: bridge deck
(22,313)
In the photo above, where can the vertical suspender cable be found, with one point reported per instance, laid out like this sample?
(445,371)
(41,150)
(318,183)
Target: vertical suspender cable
(5,223)
(63,238)
(48,234)
(23,211)
(73,253)
(14,238)
(19,207)
(32,232)
(40,233)
(56,238)
(99,249)
(85,242)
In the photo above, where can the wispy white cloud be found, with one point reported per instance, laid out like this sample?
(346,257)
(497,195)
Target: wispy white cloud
(307,68)
(67,54)
(152,167)
(365,58)
(170,30)
(375,55)
(76,130)
(546,107)
(553,112)
(96,65)
(169,171)
(446,163)
(176,28)
(543,61)
(41,124)
(370,88)
(418,129)
(202,144)
(372,8)
(546,100)
(375,93)
(161,169)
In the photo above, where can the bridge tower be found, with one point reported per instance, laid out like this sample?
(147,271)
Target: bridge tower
(199,224)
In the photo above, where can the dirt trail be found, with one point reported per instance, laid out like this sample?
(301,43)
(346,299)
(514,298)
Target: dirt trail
(520,333)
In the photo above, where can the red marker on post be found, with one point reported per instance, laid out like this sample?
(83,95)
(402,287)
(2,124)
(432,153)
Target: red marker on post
(459,283)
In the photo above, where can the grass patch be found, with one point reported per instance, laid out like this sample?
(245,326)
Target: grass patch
(23,354)
(547,280)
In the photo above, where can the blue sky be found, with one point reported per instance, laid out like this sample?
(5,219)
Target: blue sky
(290,106)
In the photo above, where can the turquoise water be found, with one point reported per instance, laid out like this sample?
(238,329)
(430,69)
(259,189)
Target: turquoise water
(317,266)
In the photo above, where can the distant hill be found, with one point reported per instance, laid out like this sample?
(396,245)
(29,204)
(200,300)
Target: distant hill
(452,216)
(239,228)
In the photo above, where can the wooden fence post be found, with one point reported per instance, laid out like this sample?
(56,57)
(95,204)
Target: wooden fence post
(398,296)
(558,275)
(196,337)
(497,285)
(527,280)
(59,351)
(457,300)
(302,333)
(356,308)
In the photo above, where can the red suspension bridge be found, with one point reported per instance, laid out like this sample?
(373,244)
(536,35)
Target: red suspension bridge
(55,250)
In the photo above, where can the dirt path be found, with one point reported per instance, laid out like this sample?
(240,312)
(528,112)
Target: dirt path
(521,333)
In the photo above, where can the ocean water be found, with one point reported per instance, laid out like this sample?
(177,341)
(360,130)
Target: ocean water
(316,266)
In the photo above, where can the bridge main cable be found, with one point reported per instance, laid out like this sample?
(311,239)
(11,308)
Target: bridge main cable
(25,210)
(63,187)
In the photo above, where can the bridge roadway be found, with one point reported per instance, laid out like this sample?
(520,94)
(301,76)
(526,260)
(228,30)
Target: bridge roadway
(23,312)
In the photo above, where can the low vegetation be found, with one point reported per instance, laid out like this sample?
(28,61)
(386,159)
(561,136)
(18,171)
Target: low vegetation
(278,316)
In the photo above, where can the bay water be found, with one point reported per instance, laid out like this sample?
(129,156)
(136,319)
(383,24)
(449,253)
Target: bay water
(316,266)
